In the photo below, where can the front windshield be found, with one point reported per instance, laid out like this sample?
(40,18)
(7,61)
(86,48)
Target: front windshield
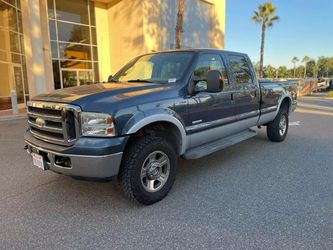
(162,68)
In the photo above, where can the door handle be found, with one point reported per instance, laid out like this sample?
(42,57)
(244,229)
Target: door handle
(232,98)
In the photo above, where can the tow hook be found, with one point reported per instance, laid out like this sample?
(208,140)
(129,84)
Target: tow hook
(27,149)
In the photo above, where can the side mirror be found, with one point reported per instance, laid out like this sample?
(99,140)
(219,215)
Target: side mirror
(214,81)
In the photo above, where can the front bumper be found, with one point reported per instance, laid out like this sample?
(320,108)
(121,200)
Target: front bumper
(89,158)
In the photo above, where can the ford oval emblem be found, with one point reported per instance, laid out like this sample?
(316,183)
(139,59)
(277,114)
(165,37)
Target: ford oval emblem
(40,122)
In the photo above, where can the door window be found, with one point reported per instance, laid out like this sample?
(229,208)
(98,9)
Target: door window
(240,69)
(209,62)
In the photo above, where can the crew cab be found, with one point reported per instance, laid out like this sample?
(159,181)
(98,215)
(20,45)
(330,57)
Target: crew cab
(158,107)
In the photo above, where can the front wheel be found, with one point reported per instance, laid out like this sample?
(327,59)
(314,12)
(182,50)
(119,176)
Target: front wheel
(148,169)
(278,128)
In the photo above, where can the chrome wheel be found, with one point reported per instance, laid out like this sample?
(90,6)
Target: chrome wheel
(282,125)
(155,171)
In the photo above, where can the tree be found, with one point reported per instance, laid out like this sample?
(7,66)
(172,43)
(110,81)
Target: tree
(180,23)
(256,67)
(265,15)
(294,61)
(305,60)
(282,72)
(300,71)
(315,71)
(311,68)
(269,71)
(325,66)
(290,73)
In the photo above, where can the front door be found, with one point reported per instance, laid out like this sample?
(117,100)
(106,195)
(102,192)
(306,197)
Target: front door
(11,79)
(208,110)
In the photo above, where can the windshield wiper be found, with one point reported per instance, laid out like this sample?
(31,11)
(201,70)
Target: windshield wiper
(140,80)
(112,79)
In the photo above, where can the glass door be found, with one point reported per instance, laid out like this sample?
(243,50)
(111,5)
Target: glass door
(6,85)
(18,81)
(11,78)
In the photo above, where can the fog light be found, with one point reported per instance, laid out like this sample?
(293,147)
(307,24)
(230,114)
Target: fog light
(63,161)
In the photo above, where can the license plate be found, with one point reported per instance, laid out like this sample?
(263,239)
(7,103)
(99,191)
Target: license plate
(37,160)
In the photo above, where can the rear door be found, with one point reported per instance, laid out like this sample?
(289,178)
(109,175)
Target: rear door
(246,94)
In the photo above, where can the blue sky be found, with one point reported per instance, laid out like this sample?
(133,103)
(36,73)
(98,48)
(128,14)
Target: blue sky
(305,28)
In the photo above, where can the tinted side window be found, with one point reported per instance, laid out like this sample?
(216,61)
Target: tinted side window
(209,62)
(241,70)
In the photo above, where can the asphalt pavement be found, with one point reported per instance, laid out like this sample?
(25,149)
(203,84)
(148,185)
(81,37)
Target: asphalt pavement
(254,195)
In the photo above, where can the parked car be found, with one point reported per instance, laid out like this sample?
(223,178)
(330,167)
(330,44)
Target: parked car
(187,103)
(330,84)
(322,85)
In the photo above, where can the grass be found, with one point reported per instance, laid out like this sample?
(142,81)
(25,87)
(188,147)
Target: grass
(330,93)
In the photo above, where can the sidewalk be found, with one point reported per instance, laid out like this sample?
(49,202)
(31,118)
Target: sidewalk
(7,115)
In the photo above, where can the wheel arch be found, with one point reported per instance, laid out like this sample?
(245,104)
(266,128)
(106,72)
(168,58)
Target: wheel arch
(159,121)
(285,101)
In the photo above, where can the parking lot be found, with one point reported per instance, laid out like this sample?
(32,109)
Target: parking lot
(256,194)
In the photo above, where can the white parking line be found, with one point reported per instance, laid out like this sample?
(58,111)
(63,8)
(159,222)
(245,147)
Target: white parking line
(297,123)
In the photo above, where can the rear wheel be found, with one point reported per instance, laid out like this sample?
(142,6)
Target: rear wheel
(148,169)
(278,128)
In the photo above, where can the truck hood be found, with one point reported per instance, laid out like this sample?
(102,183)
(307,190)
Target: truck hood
(112,91)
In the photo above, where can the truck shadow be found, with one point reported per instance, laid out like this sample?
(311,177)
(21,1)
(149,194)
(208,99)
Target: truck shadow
(84,195)
(207,180)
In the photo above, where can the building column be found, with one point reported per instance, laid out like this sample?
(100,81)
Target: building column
(151,25)
(39,78)
(218,29)
(103,40)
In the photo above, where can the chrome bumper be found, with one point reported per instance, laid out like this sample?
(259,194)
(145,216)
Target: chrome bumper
(89,166)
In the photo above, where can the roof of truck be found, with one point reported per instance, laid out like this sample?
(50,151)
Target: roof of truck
(197,50)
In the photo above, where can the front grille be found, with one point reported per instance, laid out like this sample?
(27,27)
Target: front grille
(54,122)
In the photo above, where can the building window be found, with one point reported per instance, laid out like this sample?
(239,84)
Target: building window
(72,30)
(12,58)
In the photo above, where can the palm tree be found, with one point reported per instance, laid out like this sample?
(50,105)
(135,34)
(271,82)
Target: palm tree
(179,23)
(315,71)
(305,60)
(265,15)
(294,61)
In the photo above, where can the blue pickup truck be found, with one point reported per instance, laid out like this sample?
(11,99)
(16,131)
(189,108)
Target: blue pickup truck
(158,107)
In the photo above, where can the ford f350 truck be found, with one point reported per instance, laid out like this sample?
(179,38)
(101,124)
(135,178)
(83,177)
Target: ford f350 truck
(187,103)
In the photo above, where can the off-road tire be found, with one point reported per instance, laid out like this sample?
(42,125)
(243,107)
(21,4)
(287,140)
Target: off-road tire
(273,127)
(130,170)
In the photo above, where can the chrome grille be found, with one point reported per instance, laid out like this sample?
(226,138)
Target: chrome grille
(54,122)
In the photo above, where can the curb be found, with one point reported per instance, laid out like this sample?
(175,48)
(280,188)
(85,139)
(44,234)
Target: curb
(12,117)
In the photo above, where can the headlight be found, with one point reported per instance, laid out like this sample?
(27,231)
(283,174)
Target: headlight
(97,124)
